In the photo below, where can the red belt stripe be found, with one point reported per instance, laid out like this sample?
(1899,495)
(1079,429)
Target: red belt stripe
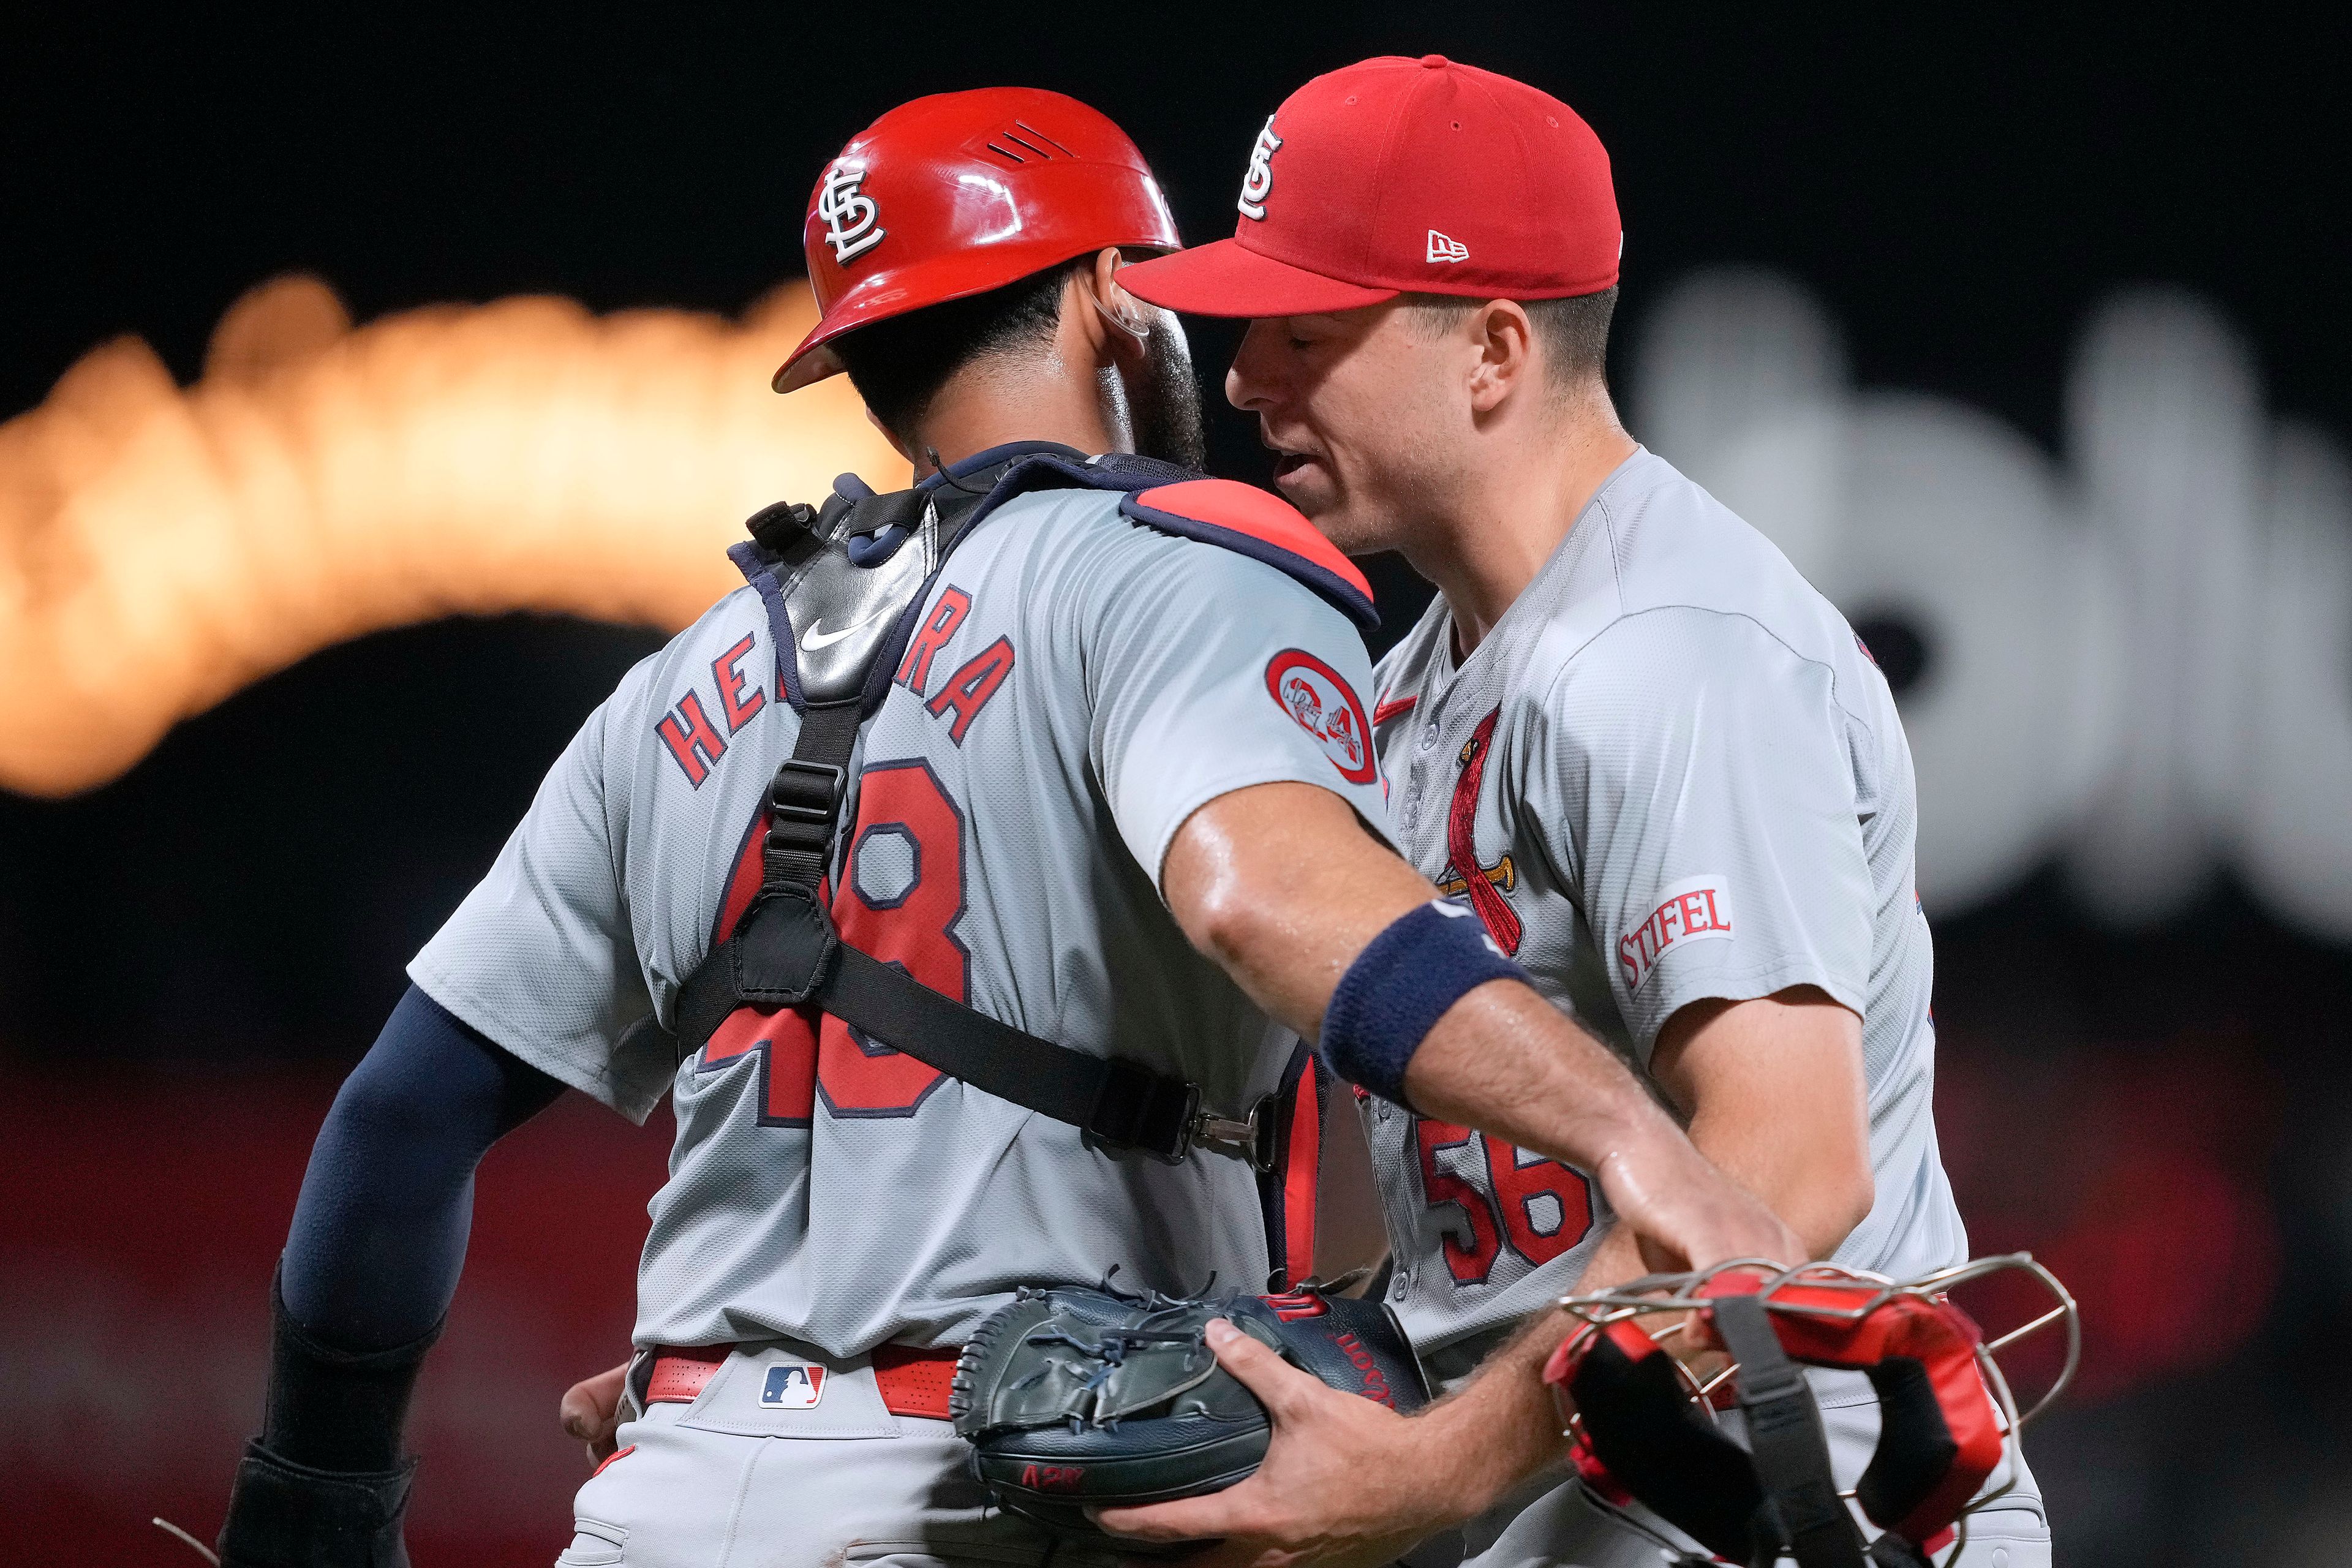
(913,1381)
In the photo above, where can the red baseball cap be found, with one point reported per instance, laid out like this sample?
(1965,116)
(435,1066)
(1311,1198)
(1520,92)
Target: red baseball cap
(1399,175)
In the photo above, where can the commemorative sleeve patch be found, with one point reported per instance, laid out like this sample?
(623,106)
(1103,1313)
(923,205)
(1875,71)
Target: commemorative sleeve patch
(1323,704)
(1695,910)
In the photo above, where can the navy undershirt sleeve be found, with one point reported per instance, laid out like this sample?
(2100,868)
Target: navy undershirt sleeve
(379,1232)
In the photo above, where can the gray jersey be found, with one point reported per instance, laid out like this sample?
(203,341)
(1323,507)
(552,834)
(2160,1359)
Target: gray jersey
(1077,687)
(1670,773)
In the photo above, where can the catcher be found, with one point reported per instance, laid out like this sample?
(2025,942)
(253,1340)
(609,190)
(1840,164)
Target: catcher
(958,879)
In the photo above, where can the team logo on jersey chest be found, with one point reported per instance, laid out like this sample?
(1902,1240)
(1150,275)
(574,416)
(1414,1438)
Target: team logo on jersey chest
(852,220)
(1326,707)
(1502,875)
(1465,873)
(1259,181)
(796,1385)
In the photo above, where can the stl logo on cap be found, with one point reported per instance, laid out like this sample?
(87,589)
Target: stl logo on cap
(1259,181)
(851,218)
(1406,174)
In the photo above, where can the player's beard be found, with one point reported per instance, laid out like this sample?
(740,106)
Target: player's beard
(1163,400)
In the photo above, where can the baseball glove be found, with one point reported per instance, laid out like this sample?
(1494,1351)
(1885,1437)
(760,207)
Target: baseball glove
(1076,1397)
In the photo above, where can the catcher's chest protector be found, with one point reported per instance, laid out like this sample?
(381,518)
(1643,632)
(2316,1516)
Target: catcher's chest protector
(844,588)
(1077,1398)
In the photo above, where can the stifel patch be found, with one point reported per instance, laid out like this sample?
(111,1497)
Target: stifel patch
(1695,910)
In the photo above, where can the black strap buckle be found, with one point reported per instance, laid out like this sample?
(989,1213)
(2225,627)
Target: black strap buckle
(803,816)
(1252,1139)
(1136,1108)
(808,793)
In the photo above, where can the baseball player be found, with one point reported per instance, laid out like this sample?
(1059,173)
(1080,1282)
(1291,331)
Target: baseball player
(1063,757)
(1660,767)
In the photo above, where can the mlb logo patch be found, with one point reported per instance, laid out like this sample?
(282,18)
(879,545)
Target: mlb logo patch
(792,1386)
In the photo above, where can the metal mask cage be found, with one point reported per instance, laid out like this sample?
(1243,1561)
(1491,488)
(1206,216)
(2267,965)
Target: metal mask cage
(1661,1295)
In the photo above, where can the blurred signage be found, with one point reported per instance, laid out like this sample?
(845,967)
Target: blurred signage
(2135,657)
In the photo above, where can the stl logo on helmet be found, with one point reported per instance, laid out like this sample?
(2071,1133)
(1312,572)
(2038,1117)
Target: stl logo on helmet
(1259,181)
(1322,703)
(851,218)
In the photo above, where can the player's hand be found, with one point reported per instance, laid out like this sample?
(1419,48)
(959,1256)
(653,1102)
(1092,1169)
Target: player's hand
(1685,1214)
(1347,1483)
(591,1411)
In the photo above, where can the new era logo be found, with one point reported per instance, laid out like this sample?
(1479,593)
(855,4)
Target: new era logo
(1445,247)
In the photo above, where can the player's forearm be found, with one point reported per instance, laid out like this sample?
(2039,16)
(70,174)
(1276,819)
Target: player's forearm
(1285,888)
(378,1229)
(1505,1060)
(379,1233)
(1288,890)
(1503,1424)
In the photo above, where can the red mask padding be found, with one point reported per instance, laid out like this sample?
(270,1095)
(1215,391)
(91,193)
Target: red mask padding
(1640,1425)
(1939,1438)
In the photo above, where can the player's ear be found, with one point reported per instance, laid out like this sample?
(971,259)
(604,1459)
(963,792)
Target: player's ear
(1126,320)
(1506,341)
(889,435)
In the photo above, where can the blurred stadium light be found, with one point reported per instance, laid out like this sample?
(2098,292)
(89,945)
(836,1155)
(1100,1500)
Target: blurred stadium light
(160,549)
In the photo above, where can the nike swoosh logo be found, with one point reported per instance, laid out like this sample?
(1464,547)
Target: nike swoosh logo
(818,637)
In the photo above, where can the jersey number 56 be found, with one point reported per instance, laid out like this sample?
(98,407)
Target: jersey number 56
(1538,1207)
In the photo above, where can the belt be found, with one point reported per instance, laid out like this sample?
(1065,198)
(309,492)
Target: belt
(912,1382)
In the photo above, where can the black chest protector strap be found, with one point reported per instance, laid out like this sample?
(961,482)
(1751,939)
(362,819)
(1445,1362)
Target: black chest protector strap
(786,952)
(1800,1509)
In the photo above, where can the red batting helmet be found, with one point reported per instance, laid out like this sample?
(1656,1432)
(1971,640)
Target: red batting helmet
(961,193)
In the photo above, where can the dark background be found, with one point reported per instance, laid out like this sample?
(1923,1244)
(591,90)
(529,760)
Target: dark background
(1958,190)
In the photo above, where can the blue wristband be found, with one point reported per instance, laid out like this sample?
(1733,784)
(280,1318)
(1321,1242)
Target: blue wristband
(1397,988)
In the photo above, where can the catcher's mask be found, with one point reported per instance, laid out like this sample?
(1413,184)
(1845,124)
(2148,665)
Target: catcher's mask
(1645,1424)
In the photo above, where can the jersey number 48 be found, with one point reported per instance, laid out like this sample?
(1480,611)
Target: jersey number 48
(901,898)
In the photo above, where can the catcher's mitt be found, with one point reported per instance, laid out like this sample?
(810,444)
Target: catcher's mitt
(1076,1398)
